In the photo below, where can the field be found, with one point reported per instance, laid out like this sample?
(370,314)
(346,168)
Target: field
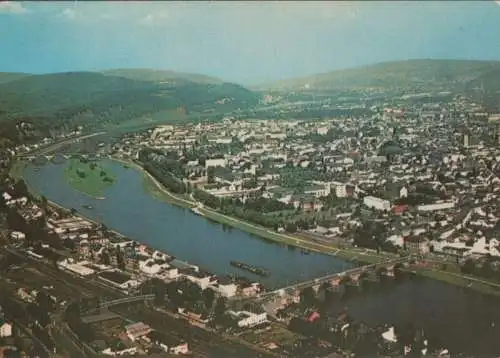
(88,177)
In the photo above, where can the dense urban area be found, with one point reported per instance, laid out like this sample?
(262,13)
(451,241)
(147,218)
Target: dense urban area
(400,185)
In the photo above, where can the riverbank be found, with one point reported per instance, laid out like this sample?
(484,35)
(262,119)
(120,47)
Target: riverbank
(349,254)
(363,255)
(453,276)
(155,188)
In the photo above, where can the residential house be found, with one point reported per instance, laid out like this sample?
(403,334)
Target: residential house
(418,245)
(226,288)
(168,344)
(137,330)
(5,329)
(248,319)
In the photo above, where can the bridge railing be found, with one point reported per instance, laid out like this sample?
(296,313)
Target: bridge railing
(322,279)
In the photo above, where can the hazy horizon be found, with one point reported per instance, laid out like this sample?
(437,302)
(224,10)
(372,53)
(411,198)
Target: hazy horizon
(243,42)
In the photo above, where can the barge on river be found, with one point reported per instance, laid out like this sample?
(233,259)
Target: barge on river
(250,268)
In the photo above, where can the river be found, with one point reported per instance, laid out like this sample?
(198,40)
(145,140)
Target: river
(453,317)
(459,319)
(132,211)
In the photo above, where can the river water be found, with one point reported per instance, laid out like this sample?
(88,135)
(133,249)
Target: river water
(132,211)
(453,317)
(459,319)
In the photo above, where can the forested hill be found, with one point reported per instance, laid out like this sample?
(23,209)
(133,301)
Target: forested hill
(486,89)
(62,100)
(160,76)
(421,74)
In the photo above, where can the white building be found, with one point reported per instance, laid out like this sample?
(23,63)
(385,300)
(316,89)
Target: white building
(75,267)
(403,193)
(18,235)
(126,351)
(5,329)
(171,273)
(318,191)
(137,330)
(226,290)
(6,196)
(201,280)
(152,267)
(437,206)
(322,130)
(377,203)
(215,163)
(341,191)
(249,319)
(390,335)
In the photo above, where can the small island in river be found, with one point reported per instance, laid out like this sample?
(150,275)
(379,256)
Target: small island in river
(88,177)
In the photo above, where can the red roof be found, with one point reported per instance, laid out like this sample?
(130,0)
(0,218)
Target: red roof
(313,316)
(399,209)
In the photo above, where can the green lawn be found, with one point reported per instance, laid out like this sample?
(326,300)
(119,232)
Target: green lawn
(88,177)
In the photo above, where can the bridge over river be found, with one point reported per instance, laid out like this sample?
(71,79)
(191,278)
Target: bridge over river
(267,299)
(333,278)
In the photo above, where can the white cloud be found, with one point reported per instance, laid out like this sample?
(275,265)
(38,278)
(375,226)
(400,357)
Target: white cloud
(68,13)
(12,7)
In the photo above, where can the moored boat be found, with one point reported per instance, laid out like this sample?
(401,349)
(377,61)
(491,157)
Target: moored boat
(250,268)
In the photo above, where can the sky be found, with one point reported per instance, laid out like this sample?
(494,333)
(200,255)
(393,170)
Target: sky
(243,42)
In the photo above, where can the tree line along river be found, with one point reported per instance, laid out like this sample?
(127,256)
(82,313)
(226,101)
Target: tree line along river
(462,320)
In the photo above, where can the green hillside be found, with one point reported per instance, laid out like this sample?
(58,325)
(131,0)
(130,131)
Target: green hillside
(11,76)
(486,89)
(95,100)
(416,74)
(161,76)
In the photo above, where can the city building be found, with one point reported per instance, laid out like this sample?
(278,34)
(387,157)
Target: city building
(137,330)
(248,319)
(377,203)
(5,329)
